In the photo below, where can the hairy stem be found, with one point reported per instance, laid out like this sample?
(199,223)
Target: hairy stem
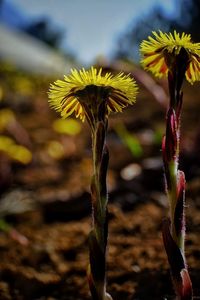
(174,228)
(99,232)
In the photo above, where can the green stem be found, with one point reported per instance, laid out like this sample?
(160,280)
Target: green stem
(172,196)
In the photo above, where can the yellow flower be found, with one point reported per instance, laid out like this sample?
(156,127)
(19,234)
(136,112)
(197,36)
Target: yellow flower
(157,49)
(69,96)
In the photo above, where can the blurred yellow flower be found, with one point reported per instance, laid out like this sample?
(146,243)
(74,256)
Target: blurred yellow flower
(55,149)
(7,116)
(157,50)
(69,126)
(70,95)
(13,151)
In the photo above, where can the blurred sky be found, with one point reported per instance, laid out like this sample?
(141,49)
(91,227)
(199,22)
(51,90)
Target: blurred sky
(91,26)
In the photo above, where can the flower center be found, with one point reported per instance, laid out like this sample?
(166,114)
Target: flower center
(94,99)
(178,59)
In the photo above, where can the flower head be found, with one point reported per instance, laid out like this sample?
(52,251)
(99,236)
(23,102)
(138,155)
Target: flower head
(160,51)
(90,88)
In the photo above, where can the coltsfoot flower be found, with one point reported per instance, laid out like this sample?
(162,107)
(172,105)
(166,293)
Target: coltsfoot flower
(164,49)
(92,96)
(90,88)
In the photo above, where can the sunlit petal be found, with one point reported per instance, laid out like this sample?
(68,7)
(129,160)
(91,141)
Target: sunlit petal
(64,95)
(153,53)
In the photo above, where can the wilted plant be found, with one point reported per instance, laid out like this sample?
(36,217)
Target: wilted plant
(174,56)
(92,96)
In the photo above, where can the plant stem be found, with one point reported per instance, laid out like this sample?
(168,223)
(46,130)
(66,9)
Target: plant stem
(99,232)
(174,229)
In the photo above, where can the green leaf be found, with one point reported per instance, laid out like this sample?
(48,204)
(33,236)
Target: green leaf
(129,140)
(4,226)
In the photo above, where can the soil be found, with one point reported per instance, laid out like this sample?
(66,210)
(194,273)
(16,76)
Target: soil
(45,205)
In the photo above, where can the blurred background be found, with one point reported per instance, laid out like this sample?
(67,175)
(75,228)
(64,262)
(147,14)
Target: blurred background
(45,162)
(81,31)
